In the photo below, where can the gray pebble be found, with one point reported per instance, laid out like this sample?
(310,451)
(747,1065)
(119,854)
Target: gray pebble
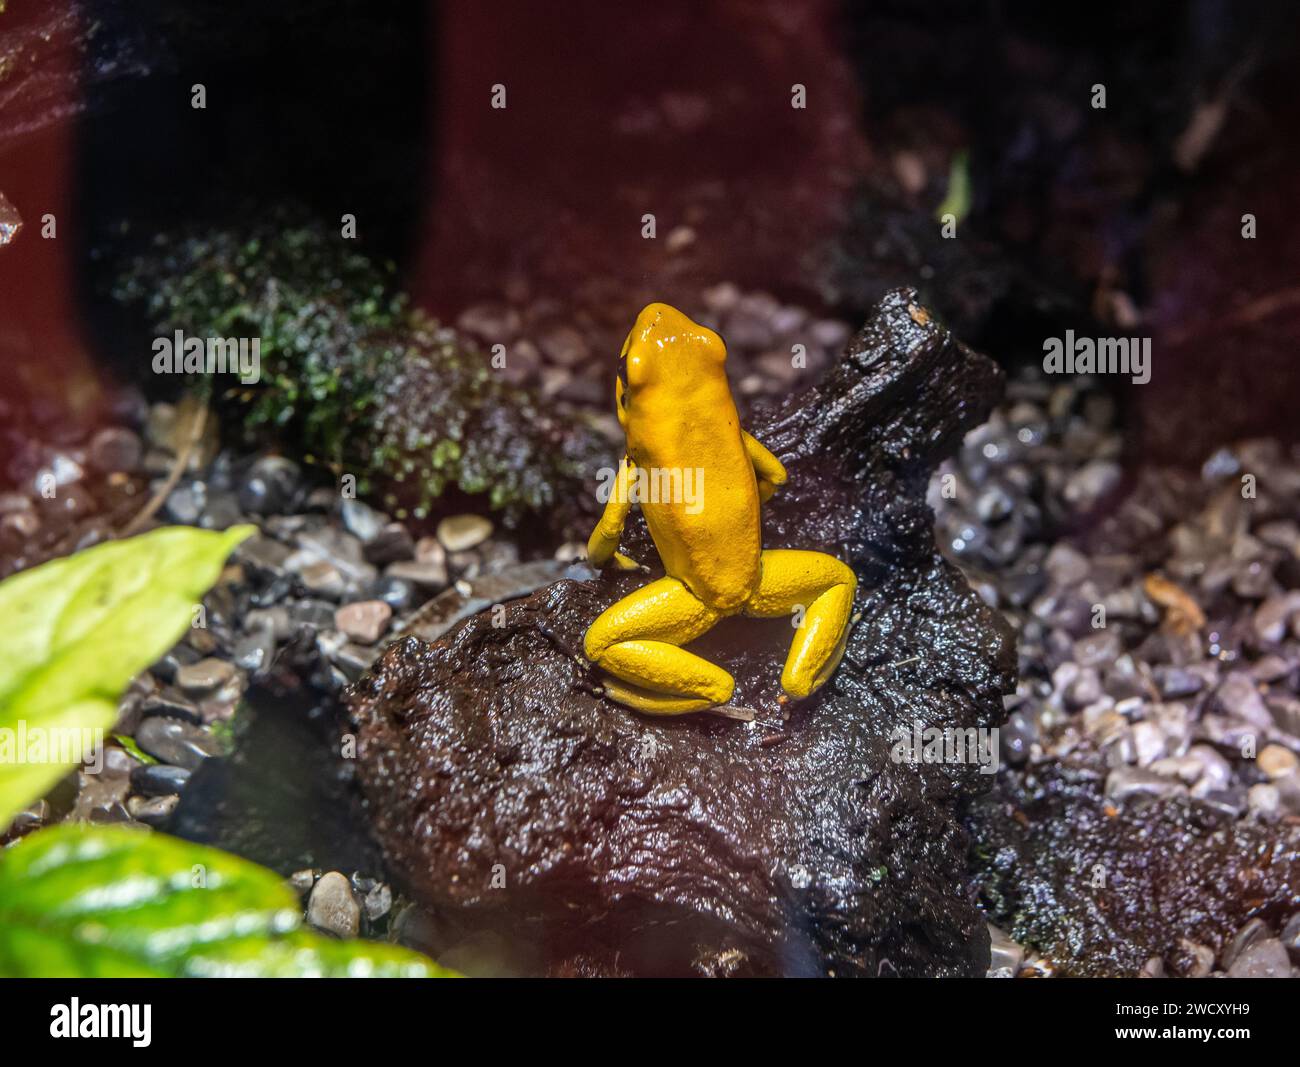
(1264,959)
(1271,617)
(254,651)
(317,614)
(321,578)
(1290,937)
(1238,696)
(1066,565)
(205,675)
(302,881)
(270,486)
(397,593)
(1125,782)
(391,544)
(430,576)
(361,519)
(378,902)
(152,811)
(115,449)
(185,503)
(1148,742)
(176,741)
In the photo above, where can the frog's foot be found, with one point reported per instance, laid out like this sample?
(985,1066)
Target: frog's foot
(818,589)
(638,639)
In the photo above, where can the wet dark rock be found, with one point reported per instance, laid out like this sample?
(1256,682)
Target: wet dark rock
(273,591)
(264,553)
(396,592)
(253,651)
(221,511)
(1101,888)
(158,779)
(179,656)
(510,796)
(185,503)
(391,543)
(270,486)
(177,742)
(169,705)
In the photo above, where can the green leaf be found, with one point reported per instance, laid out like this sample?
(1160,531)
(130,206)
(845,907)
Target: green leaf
(137,753)
(78,901)
(957,202)
(76,630)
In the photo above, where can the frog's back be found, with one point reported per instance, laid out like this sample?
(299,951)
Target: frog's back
(698,490)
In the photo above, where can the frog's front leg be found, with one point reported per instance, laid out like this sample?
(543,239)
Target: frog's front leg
(602,546)
(822,588)
(767,468)
(638,640)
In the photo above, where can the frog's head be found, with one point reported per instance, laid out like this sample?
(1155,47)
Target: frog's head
(666,352)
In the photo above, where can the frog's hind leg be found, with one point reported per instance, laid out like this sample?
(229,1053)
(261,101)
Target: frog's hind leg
(820,588)
(638,639)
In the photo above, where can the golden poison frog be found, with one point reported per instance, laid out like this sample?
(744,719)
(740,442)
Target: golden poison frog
(700,480)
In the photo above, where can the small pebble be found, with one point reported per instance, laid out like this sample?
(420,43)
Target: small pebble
(1264,959)
(364,621)
(158,779)
(1277,762)
(176,741)
(457,533)
(332,907)
(205,675)
(152,811)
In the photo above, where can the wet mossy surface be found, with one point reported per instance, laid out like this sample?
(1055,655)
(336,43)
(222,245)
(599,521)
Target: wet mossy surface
(356,381)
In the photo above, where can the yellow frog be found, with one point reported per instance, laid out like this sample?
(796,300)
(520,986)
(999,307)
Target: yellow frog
(699,479)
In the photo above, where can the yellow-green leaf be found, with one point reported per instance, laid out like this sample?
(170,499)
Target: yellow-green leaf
(73,633)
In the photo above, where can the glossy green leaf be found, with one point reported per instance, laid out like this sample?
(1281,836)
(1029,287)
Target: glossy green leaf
(75,631)
(79,901)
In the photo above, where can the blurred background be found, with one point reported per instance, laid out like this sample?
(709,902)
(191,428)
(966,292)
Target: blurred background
(1125,217)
